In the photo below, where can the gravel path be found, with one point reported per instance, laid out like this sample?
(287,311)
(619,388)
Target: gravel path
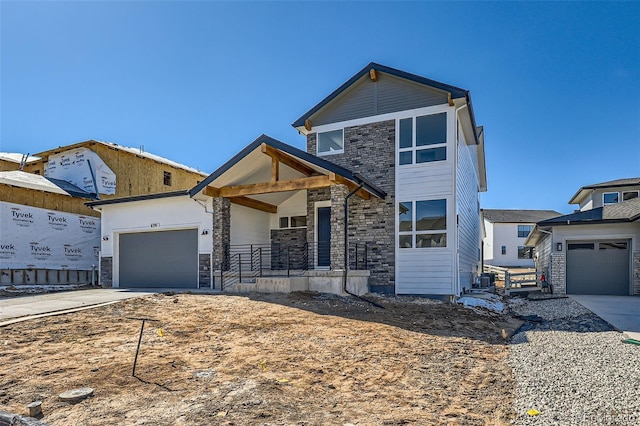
(573,368)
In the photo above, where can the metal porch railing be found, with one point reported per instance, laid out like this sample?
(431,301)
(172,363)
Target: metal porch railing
(244,263)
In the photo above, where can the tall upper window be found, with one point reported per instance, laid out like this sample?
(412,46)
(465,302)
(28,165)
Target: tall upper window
(423,139)
(331,142)
(523,230)
(610,198)
(422,223)
(166,178)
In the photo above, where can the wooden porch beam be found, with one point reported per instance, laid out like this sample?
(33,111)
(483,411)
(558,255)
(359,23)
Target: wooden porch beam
(361,192)
(286,159)
(254,204)
(211,191)
(312,182)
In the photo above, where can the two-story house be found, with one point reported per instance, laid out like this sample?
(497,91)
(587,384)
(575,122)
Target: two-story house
(505,234)
(48,234)
(386,194)
(595,250)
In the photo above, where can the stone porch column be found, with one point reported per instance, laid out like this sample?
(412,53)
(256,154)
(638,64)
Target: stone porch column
(338,194)
(221,231)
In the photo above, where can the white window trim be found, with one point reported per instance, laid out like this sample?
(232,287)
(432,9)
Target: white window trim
(415,148)
(326,153)
(415,232)
(610,192)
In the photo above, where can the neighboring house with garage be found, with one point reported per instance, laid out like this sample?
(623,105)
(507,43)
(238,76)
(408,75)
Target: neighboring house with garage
(505,234)
(385,198)
(593,251)
(56,184)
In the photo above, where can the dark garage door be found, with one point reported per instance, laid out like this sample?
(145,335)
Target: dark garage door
(598,267)
(159,259)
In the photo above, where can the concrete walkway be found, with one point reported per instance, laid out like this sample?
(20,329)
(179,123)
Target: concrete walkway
(622,312)
(65,301)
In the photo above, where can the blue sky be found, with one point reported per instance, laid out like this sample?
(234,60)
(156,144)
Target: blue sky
(555,84)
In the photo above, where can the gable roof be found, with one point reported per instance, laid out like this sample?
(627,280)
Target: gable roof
(610,184)
(456,92)
(312,160)
(135,151)
(518,216)
(624,212)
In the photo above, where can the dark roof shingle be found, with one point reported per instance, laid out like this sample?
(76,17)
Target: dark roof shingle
(518,216)
(626,211)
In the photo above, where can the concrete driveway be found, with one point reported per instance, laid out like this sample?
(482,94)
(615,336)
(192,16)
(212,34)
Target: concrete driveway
(622,312)
(65,301)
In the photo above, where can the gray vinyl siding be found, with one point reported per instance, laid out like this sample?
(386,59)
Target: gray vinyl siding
(469,232)
(367,98)
(543,261)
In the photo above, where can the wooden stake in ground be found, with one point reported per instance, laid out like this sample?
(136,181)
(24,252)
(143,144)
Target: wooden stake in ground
(135,360)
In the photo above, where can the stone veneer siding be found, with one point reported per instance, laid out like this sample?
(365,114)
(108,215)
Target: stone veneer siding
(204,270)
(636,273)
(221,232)
(559,273)
(290,242)
(106,272)
(369,151)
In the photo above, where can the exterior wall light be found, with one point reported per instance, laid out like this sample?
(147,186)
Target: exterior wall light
(558,246)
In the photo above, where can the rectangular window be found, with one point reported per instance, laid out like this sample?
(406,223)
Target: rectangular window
(293,222)
(524,230)
(167,178)
(422,223)
(581,246)
(525,252)
(504,250)
(612,246)
(629,195)
(331,142)
(610,198)
(298,221)
(422,139)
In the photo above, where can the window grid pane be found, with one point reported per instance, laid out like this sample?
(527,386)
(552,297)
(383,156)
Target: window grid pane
(406,133)
(431,215)
(429,155)
(431,129)
(406,157)
(405,216)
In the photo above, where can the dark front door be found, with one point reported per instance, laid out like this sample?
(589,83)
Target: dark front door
(324,236)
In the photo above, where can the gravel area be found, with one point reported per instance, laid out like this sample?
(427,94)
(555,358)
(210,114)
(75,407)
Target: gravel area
(572,367)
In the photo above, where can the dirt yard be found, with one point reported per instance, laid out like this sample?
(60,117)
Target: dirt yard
(298,359)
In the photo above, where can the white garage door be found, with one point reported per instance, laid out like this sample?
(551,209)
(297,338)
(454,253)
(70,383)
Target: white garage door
(598,267)
(159,259)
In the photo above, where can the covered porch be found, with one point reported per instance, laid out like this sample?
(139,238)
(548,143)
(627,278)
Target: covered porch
(279,221)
